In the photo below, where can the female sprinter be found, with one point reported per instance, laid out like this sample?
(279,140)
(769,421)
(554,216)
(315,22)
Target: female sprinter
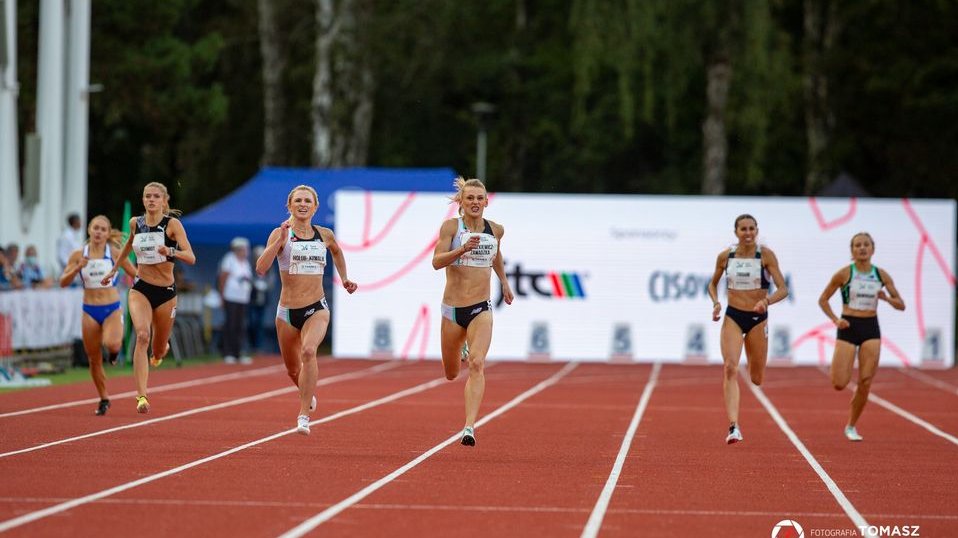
(102,315)
(469,249)
(862,285)
(302,315)
(747,266)
(158,240)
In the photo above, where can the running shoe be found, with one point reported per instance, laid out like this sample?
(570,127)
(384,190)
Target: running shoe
(852,434)
(102,407)
(468,436)
(302,425)
(734,434)
(157,361)
(464,352)
(312,404)
(142,405)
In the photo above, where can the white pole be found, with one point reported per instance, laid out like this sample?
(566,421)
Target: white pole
(10,227)
(48,218)
(77,111)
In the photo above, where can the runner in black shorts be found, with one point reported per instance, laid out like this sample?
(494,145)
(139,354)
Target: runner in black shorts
(747,267)
(302,315)
(862,285)
(469,250)
(158,239)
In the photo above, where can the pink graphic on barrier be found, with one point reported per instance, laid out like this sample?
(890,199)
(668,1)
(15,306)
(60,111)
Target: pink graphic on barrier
(825,225)
(367,222)
(925,243)
(368,243)
(423,320)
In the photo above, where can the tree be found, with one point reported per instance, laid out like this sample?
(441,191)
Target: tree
(343,85)
(274,69)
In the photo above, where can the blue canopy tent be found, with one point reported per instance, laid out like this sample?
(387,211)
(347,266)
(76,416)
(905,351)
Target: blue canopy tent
(254,209)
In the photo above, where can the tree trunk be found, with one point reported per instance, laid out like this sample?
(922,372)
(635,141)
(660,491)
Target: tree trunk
(274,100)
(820,30)
(714,138)
(322,102)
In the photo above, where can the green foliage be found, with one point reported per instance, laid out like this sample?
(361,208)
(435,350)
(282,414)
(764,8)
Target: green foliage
(590,95)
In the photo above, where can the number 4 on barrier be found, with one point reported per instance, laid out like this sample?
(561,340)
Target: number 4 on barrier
(696,350)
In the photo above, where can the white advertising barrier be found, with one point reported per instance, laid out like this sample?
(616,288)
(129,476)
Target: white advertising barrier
(43,318)
(623,278)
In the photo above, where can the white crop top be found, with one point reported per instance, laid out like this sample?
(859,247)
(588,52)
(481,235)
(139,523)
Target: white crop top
(746,273)
(97,268)
(482,255)
(861,290)
(147,239)
(303,256)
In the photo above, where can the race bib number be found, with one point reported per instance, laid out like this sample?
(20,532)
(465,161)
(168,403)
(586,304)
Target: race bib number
(145,247)
(307,258)
(94,272)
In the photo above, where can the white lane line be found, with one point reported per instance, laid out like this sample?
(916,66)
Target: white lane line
(836,492)
(927,379)
(160,388)
(602,504)
(510,508)
(912,418)
(324,516)
(73,503)
(231,403)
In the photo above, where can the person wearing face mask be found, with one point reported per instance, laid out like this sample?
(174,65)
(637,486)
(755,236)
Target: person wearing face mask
(30,272)
(863,285)
(747,267)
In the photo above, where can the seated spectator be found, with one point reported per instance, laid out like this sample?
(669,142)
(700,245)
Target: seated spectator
(30,272)
(8,277)
(13,254)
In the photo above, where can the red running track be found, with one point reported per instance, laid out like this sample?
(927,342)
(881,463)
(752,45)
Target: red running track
(563,450)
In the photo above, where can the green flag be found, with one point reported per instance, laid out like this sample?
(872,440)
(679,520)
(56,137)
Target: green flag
(128,323)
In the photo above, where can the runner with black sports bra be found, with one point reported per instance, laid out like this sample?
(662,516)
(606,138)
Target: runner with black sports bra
(302,316)
(158,239)
(747,267)
(102,316)
(862,285)
(469,247)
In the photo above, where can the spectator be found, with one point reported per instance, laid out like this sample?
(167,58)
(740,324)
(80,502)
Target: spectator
(8,277)
(234,283)
(71,239)
(262,288)
(30,272)
(13,253)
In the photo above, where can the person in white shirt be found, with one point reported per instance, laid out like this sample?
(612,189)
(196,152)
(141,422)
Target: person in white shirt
(69,241)
(235,283)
